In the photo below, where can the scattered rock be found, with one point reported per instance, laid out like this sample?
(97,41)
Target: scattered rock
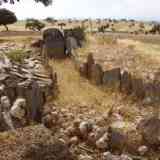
(102,143)
(34,143)
(143,150)
(37,43)
(74,140)
(117,140)
(18,109)
(85,128)
(150,131)
(85,157)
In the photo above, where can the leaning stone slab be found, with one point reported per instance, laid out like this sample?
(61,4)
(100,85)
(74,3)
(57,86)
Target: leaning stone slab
(111,79)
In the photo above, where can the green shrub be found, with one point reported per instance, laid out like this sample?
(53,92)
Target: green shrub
(17,55)
(103,28)
(34,24)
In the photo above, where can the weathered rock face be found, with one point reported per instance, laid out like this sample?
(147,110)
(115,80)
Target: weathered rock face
(150,131)
(32,143)
(37,43)
(26,87)
(152,95)
(117,140)
(138,88)
(126,83)
(54,44)
(90,63)
(78,33)
(96,74)
(111,78)
(71,44)
(84,70)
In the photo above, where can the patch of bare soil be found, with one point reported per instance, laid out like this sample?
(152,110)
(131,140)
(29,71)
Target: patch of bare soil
(18,33)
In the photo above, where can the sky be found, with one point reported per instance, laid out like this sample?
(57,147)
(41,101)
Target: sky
(130,9)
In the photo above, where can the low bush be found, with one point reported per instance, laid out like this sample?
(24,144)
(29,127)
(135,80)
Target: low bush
(17,55)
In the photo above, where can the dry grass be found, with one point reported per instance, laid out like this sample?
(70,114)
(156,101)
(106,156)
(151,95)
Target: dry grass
(76,91)
(150,50)
(103,40)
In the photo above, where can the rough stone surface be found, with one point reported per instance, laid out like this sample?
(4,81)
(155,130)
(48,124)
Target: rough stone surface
(37,43)
(54,43)
(32,143)
(83,70)
(117,140)
(29,80)
(71,44)
(126,83)
(90,62)
(111,78)
(138,88)
(96,74)
(150,131)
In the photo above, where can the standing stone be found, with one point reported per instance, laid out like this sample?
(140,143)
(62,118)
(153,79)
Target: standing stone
(111,79)
(126,83)
(138,88)
(150,97)
(71,44)
(96,74)
(90,62)
(54,44)
(84,70)
(34,96)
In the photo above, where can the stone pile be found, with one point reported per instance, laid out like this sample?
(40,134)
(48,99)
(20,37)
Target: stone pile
(32,143)
(24,89)
(97,138)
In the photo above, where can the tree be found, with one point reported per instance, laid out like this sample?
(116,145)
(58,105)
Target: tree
(7,17)
(50,20)
(45,2)
(34,24)
(62,25)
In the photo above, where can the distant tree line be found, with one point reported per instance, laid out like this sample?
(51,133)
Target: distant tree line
(45,2)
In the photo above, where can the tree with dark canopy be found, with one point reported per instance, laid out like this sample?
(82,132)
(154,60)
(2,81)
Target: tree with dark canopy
(7,17)
(45,2)
(34,24)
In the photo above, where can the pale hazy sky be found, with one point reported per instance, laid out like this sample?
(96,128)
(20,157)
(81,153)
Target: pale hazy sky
(139,9)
